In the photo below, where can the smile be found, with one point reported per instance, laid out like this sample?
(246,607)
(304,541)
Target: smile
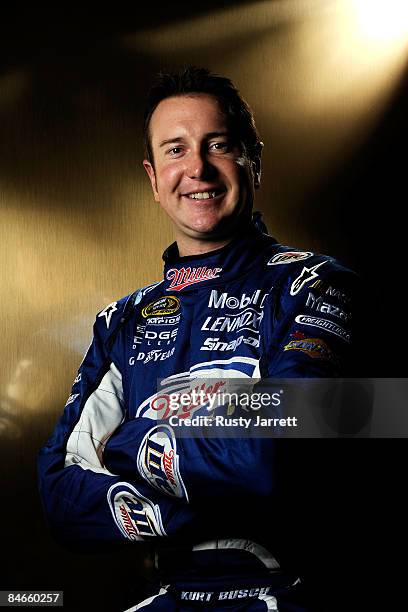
(203,195)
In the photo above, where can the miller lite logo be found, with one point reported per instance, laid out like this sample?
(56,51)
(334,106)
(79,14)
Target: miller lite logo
(158,462)
(184,277)
(135,515)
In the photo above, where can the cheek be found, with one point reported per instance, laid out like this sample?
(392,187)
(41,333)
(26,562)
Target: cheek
(237,166)
(169,177)
(236,171)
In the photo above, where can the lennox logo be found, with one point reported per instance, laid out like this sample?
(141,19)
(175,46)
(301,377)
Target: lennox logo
(189,276)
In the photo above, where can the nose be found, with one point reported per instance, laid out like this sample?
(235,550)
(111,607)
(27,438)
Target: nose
(197,165)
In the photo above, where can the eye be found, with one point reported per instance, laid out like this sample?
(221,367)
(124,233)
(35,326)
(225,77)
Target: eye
(220,147)
(174,151)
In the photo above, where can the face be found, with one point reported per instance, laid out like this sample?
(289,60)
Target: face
(199,176)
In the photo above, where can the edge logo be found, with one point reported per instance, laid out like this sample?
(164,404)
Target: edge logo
(135,516)
(304,277)
(288,257)
(158,462)
(166,305)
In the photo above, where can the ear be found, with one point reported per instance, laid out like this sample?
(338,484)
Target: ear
(256,166)
(256,171)
(152,176)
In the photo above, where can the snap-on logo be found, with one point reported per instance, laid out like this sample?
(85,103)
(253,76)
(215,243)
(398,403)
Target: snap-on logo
(184,277)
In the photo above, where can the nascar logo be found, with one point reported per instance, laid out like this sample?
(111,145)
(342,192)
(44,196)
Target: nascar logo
(166,305)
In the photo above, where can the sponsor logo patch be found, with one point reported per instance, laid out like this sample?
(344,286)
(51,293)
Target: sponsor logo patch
(153,355)
(224,300)
(338,294)
(317,303)
(138,337)
(215,344)
(304,277)
(159,338)
(184,277)
(135,515)
(108,312)
(331,292)
(158,461)
(325,324)
(164,320)
(288,257)
(250,319)
(314,347)
(167,305)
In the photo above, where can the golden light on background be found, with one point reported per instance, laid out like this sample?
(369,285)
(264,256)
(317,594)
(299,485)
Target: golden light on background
(80,227)
(382,22)
(319,75)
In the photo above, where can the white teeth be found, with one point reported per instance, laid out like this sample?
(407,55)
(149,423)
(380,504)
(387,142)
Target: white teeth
(202,195)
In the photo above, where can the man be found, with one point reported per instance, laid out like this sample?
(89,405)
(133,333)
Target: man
(233,304)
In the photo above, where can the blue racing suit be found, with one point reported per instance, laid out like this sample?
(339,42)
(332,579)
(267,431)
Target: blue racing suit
(113,469)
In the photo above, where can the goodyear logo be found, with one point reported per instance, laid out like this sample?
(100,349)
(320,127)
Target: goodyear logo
(166,305)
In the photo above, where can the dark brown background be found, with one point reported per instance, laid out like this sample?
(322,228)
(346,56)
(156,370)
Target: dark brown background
(79,228)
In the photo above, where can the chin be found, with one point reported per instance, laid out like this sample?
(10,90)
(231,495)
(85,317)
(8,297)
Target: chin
(204,233)
(205,226)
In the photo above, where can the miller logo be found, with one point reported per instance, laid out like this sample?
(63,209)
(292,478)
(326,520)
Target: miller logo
(190,276)
(166,305)
(158,462)
(135,515)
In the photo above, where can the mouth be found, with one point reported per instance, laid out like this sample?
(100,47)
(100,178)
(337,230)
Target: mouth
(204,196)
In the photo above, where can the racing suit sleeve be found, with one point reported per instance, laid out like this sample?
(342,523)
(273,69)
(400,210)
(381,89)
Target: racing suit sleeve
(313,327)
(210,468)
(84,502)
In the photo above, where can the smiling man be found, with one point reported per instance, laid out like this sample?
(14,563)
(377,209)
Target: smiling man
(199,172)
(232,304)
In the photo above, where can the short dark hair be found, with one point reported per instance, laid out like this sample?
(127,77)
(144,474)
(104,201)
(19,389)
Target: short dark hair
(193,80)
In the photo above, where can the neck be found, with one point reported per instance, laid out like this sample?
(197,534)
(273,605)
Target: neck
(189,246)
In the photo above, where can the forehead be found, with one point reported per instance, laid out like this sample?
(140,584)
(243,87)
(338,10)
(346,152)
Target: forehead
(185,115)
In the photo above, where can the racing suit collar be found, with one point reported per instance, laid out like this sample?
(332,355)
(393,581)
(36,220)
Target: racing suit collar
(216,267)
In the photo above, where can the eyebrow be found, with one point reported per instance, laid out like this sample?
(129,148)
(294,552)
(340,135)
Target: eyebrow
(181,138)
